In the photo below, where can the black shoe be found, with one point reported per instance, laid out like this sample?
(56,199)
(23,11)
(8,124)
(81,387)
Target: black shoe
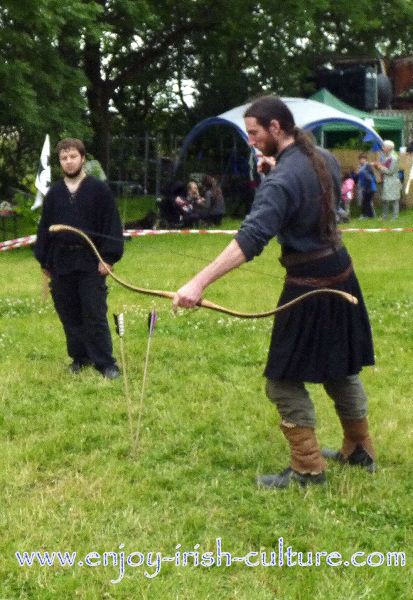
(78,365)
(333,455)
(358,458)
(283,479)
(111,372)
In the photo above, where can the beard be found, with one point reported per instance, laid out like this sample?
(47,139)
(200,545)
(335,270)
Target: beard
(74,174)
(271,148)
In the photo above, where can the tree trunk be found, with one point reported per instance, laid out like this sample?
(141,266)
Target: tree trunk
(98,95)
(100,120)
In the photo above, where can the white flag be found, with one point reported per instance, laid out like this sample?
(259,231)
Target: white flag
(44,175)
(409,180)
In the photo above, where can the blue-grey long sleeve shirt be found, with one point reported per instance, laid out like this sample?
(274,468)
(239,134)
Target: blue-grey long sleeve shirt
(287,206)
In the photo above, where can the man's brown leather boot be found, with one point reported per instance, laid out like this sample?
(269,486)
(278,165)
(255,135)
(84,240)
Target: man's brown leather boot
(307,465)
(357,448)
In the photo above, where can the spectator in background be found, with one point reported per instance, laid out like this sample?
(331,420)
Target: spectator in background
(214,198)
(168,212)
(187,214)
(200,205)
(347,192)
(192,193)
(368,186)
(388,166)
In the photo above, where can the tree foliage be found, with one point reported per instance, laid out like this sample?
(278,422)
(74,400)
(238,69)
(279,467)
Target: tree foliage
(95,67)
(41,84)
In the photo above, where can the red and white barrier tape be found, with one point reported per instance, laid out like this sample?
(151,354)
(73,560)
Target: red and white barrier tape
(30,239)
(377,230)
(18,243)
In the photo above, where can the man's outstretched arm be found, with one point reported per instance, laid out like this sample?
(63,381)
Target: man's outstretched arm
(191,293)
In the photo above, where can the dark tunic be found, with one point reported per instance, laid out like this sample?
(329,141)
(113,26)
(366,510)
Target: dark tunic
(93,210)
(79,292)
(323,337)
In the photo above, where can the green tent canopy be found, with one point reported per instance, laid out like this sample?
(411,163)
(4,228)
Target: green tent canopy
(389,127)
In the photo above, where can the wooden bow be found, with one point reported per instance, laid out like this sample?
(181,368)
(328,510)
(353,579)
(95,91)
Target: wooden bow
(202,303)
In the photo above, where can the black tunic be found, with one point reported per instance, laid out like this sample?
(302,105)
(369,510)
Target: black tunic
(78,290)
(323,337)
(91,209)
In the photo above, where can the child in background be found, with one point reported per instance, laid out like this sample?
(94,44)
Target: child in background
(185,203)
(200,205)
(368,186)
(192,193)
(347,192)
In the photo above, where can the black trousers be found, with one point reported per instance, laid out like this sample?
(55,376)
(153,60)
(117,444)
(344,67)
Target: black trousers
(80,302)
(367,208)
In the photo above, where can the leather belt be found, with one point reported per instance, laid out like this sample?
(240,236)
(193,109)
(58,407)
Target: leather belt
(319,282)
(300,258)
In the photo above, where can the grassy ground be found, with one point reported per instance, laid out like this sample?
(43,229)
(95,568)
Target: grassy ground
(129,208)
(69,482)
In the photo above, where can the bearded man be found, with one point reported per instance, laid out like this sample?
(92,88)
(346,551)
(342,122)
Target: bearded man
(77,278)
(322,339)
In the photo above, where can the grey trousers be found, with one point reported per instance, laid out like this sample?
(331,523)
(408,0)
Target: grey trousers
(393,205)
(295,406)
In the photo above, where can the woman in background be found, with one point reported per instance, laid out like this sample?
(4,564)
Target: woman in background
(215,199)
(388,166)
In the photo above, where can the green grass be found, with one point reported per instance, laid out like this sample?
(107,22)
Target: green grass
(130,208)
(68,479)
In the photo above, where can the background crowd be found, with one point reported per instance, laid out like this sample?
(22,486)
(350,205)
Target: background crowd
(376,182)
(193,204)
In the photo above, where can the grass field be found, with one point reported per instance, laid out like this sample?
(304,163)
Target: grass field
(69,481)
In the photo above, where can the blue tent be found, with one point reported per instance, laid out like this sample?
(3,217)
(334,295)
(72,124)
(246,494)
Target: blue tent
(308,114)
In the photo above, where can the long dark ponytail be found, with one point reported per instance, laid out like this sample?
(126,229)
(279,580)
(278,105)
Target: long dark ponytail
(267,108)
